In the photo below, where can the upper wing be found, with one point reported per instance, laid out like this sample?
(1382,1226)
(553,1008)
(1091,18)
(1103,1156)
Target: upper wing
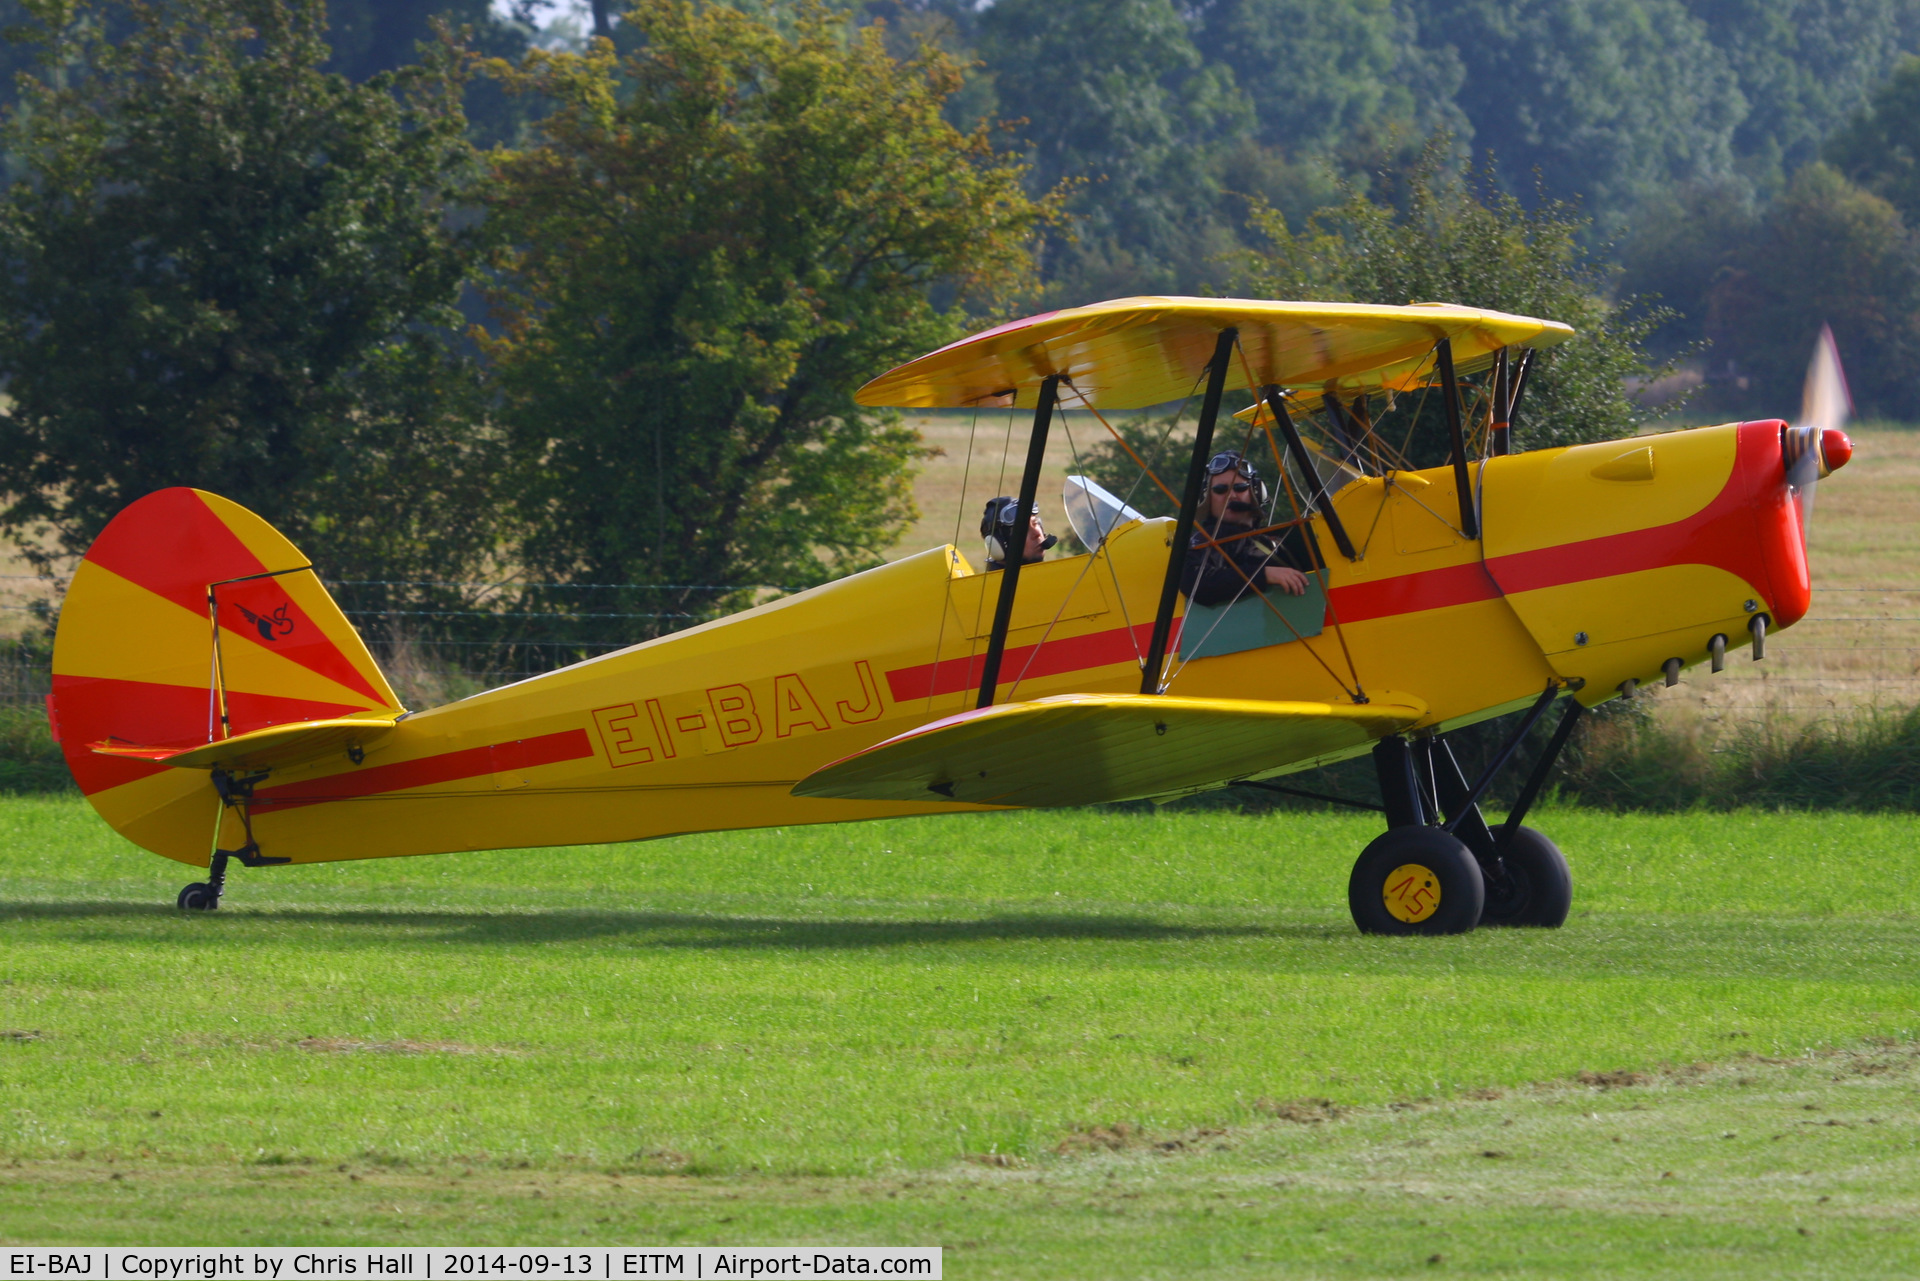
(1134,352)
(1079,749)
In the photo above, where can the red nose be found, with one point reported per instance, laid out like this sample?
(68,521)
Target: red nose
(1835,448)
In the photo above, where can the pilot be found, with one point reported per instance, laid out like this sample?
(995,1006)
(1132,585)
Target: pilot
(1235,496)
(996,526)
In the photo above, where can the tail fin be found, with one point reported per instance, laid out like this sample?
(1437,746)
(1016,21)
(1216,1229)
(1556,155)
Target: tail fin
(190,622)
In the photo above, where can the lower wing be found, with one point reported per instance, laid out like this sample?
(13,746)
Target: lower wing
(1079,749)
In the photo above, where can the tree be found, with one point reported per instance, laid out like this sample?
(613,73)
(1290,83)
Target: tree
(225,267)
(951,26)
(1751,283)
(1325,74)
(1802,67)
(367,37)
(19,54)
(371,36)
(719,237)
(1607,100)
(1680,245)
(1879,148)
(1825,252)
(1112,94)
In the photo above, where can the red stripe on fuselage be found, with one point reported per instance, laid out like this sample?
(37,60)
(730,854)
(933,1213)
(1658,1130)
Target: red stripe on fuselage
(1413,593)
(1750,529)
(1025,662)
(447,767)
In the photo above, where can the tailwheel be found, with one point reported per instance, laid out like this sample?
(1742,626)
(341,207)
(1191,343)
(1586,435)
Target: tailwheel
(1416,880)
(1535,889)
(204,896)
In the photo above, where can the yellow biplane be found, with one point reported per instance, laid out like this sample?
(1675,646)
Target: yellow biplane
(215,705)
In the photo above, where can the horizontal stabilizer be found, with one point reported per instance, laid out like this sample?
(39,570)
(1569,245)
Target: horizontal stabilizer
(1080,749)
(274,747)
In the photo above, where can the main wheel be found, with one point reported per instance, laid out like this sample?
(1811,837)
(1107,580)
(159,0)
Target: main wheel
(1537,889)
(197,897)
(1416,880)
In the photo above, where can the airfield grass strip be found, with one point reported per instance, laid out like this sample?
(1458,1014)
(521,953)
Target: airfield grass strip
(1751,1167)
(985,1016)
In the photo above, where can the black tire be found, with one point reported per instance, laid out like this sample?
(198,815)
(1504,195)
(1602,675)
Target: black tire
(1537,888)
(197,897)
(1445,868)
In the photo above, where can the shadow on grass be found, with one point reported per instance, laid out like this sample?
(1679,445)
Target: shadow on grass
(657,929)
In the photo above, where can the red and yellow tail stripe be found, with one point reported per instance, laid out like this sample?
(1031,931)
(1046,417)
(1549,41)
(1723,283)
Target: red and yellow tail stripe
(191,620)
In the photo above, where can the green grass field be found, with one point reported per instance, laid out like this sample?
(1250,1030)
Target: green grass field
(1069,1044)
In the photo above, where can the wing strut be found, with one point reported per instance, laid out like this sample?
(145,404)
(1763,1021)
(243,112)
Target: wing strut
(1519,388)
(1343,436)
(1500,427)
(1450,392)
(1309,474)
(1016,554)
(1189,507)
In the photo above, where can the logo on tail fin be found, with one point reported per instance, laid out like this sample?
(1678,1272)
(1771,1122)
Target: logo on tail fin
(270,626)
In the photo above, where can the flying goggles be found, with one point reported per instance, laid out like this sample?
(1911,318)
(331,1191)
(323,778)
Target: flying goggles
(1232,460)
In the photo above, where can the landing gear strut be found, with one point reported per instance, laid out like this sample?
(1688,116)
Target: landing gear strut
(204,896)
(1439,869)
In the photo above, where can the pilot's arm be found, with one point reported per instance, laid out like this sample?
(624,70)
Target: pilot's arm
(1209,578)
(1291,569)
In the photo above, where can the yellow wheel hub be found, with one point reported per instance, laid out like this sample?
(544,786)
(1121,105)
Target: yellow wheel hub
(1412,893)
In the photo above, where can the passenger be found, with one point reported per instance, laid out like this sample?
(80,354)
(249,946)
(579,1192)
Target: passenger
(996,526)
(1235,497)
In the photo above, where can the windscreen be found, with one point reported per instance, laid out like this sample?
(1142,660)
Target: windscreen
(1092,511)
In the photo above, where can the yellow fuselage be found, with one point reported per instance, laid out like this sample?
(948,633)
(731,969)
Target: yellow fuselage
(1598,564)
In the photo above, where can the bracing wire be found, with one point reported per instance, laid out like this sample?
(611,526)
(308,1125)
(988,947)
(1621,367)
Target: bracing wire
(1118,439)
(999,487)
(1113,574)
(1321,566)
(959,516)
(1247,584)
(1093,554)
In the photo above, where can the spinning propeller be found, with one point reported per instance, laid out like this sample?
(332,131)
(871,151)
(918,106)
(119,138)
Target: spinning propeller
(1817,444)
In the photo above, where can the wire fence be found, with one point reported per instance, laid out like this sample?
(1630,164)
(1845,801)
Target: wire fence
(449,639)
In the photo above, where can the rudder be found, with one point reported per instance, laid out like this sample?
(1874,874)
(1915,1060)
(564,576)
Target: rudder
(189,621)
